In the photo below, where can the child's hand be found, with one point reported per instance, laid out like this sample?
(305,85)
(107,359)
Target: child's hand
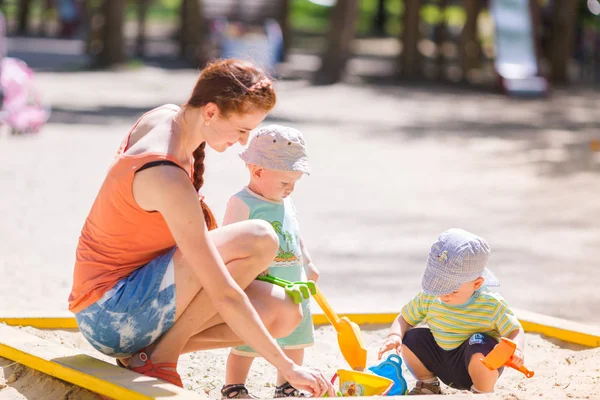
(312,273)
(518,359)
(265,272)
(392,342)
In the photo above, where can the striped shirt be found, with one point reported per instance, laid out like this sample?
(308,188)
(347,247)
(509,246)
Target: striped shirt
(485,312)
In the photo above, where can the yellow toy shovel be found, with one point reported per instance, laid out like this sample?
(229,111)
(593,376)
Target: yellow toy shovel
(349,336)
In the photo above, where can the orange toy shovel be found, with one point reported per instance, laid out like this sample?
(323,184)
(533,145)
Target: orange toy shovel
(349,336)
(502,355)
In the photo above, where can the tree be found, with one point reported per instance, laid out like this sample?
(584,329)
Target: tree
(380,19)
(283,20)
(339,38)
(440,35)
(23,17)
(142,11)
(191,36)
(564,18)
(469,43)
(409,57)
(112,36)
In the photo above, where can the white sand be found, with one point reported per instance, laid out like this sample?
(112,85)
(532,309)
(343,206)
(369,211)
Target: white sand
(561,370)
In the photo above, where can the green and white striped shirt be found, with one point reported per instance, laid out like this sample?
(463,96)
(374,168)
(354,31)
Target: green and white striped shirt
(485,312)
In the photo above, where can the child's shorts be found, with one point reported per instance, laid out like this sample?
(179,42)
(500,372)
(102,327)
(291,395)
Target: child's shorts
(135,312)
(300,338)
(450,366)
(303,335)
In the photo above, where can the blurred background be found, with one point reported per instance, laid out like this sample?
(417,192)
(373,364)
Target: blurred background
(419,115)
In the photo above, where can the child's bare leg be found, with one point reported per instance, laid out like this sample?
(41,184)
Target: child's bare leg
(297,355)
(483,378)
(237,369)
(415,366)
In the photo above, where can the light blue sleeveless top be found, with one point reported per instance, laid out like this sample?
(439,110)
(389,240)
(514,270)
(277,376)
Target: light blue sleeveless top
(288,262)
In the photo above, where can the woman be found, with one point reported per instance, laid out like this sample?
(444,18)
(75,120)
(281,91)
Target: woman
(154,277)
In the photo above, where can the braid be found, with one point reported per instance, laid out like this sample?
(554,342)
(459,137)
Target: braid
(199,156)
(199,166)
(264,83)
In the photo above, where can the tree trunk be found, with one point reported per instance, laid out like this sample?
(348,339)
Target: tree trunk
(380,19)
(469,46)
(192,32)
(409,57)
(536,23)
(94,22)
(23,17)
(440,34)
(564,18)
(283,20)
(142,11)
(339,38)
(113,38)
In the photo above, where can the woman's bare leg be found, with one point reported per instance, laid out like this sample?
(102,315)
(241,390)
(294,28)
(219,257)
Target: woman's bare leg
(247,248)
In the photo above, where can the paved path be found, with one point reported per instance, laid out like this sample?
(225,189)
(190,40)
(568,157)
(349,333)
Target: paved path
(392,168)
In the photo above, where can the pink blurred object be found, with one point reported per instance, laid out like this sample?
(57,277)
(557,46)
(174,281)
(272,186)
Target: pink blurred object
(22,109)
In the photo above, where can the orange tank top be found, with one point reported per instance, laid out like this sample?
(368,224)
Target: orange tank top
(118,236)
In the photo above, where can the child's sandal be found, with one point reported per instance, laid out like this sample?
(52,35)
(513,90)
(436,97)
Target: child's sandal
(426,388)
(158,370)
(287,390)
(236,391)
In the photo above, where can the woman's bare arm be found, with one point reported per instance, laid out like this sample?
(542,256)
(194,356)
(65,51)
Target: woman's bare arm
(167,189)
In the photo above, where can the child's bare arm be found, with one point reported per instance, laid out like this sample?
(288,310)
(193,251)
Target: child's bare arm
(236,211)
(394,338)
(312,273)
(518,336)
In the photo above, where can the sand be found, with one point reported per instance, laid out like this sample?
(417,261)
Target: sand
(561,370)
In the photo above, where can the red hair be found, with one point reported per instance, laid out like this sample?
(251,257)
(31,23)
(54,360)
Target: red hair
(236,87)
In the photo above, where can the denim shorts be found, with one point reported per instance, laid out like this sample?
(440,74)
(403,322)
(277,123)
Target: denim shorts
(135,312)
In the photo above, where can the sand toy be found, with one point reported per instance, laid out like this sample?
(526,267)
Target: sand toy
(501,355)
(391,368)
(296,290)
(356,383)
(349,335)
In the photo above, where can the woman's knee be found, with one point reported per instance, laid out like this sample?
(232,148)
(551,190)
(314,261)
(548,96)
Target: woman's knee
(264,240)
(286,319)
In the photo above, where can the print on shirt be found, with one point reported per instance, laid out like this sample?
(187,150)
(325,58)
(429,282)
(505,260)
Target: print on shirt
(287,255)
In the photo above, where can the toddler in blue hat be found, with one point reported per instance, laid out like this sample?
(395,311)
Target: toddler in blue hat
(464,319)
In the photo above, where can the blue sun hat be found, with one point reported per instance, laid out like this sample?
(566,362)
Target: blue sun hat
(456,257)
(279,148)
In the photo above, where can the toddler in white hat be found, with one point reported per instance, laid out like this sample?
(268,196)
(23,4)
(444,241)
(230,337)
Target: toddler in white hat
(464,319)
(276,158)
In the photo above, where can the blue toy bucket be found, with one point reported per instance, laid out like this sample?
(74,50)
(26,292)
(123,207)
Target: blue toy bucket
(392,369)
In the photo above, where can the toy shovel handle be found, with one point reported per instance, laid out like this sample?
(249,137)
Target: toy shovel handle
(527,372)
(329,313)
(273,280)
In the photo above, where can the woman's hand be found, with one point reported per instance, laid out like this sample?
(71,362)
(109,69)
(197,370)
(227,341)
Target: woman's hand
(310,380)
(392,342)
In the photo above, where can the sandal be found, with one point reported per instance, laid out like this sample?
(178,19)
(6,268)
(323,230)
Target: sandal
(157,370)
(236,391)
(426,388)
(287,390)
